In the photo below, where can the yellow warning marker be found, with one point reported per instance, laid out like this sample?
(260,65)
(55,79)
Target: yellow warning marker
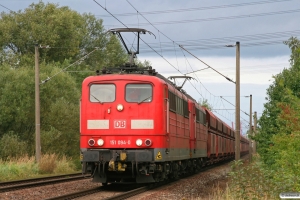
(158,156)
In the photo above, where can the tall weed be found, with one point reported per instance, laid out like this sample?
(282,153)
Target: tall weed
(252,181)
(48,163)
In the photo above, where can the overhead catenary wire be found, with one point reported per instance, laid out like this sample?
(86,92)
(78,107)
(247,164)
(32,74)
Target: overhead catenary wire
(147,43)
(217,18)
(76,62)
(6,8)
(220,46)
(135,34)
(181,48)
(198,8)
(233,105)
(206,64)
(225,40)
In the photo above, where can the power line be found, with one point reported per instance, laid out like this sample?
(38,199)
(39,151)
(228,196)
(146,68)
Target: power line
(234,105)
(218,18)
(135,34)
(225,40)
(183,49)
(221,47)
(206,64)
(197,9)
(76,62)
(6,8)
(182,46)
(147,43)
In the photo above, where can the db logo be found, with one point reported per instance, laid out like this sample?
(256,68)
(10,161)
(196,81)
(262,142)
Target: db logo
(120,124)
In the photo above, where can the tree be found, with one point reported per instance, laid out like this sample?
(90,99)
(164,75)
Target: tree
(44,24)
(204,103)
(65,33)
(285,90)
(59,103)
(294,45)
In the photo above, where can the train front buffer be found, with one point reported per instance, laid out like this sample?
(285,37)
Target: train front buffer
(108,165)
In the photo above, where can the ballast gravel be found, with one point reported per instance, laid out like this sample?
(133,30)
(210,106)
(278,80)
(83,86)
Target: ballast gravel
(199,186)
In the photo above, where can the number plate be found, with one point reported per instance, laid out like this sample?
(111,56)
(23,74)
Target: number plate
(120,123)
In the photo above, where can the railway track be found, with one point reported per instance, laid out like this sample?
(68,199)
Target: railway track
(78,194)
(109,192)
(114,189)
(34,182)
(130,192)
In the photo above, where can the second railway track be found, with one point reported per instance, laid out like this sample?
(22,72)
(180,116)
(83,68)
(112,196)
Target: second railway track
(34,182)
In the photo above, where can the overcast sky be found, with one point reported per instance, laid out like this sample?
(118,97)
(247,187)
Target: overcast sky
(204,27)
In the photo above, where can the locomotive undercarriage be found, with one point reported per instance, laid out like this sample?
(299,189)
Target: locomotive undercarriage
(127,166)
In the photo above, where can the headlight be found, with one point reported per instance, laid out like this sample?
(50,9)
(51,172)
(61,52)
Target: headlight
(139,142)
(100,142)
(91,142)
(120,107)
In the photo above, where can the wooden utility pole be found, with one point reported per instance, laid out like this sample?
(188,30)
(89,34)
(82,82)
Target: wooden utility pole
(250,129)
(237,104)
(37,107)
(254,132)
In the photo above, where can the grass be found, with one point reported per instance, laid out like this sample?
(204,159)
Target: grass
(229,194)
(247,181)
(25,167)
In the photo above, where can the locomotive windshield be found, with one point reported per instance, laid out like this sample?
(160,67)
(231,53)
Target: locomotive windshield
(102,93)
(138,93)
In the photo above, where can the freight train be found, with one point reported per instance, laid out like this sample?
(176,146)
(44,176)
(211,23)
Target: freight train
(138,126)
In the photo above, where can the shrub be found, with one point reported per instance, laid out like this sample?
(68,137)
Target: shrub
(64,166)
(48,163)
(11,146)
(251,181)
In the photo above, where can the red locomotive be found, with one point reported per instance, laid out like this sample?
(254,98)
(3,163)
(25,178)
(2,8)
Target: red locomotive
(138,126)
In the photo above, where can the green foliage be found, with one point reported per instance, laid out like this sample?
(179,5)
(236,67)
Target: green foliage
(69,35)
(287,165)
(115,54)
(20,168)
(145,63)
(59,100)
(294,45)
(278,136)
(257,181)
(11,146)
(44,24)
(252,181)
(17,101)
(285,90)
(26,167)
(62,133)
(204,103)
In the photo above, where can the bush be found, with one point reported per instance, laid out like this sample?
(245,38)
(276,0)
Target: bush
(286,150)
(251,182)
(11,146)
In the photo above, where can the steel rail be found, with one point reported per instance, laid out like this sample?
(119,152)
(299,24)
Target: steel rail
(27,183)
